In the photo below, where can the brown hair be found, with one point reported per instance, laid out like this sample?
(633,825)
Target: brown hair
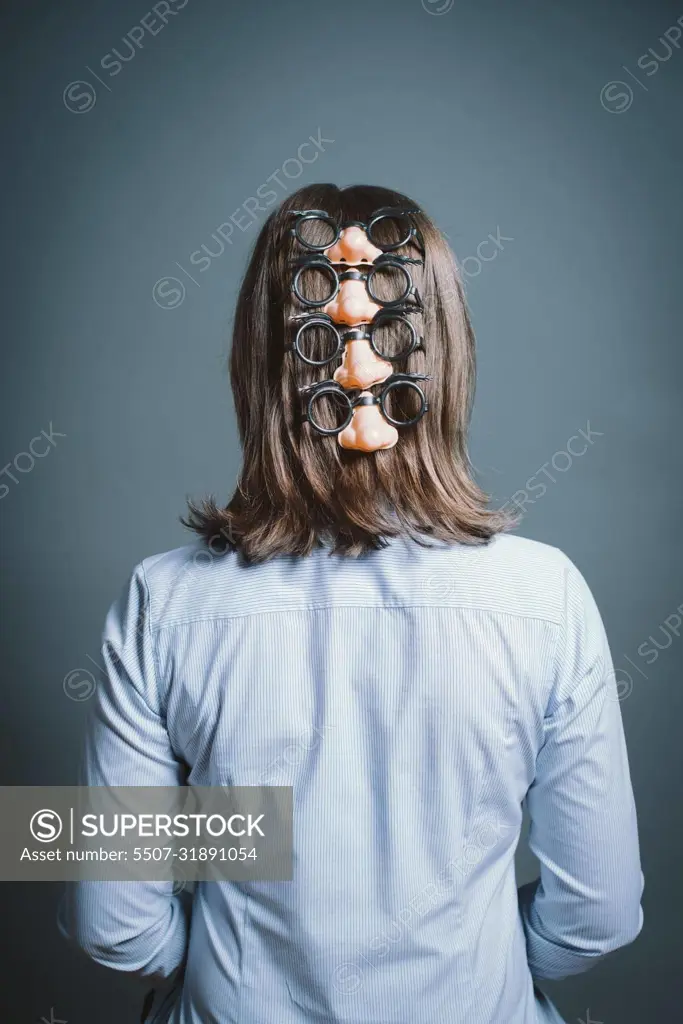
(297,489)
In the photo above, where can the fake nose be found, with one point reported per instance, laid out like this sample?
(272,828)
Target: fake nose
(353,247)
(368,431)
(360,367)
(351,305)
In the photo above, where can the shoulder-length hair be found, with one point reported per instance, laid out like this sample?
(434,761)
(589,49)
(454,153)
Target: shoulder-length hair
(298,489)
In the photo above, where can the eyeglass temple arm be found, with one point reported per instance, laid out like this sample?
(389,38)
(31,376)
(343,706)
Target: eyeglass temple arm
(329,385)
(309,213)
(392,257)
(384,210)
(298,317)
(408,377)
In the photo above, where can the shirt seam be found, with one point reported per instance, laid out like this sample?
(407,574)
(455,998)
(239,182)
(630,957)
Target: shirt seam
(329,607)
(584,632)
(152,642)
(561,635)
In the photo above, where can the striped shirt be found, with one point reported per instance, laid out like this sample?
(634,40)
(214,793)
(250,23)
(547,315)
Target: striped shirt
(415,699)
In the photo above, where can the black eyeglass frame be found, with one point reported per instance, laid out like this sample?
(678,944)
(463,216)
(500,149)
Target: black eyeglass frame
(364,272)
(359,332)
(313,392)
(397,213)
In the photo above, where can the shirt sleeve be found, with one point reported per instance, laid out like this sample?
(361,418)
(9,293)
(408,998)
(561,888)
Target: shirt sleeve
(583,827)
(138,927)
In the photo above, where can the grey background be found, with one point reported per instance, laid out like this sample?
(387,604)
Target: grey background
(490,115)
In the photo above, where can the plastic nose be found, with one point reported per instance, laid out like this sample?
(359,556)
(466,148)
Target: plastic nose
(351,305)
(360,367)
(353,247)
(368,431)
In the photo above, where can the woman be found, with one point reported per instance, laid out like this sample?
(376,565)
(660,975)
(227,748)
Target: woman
(356,603)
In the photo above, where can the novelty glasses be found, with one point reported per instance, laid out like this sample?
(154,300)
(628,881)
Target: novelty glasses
(329,407)
(388,228)
(319,340)
(387,281)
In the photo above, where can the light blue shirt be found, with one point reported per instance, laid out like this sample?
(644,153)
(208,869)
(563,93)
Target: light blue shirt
(414,699)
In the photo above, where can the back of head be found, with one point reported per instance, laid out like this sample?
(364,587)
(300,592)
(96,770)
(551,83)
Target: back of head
(299,489)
